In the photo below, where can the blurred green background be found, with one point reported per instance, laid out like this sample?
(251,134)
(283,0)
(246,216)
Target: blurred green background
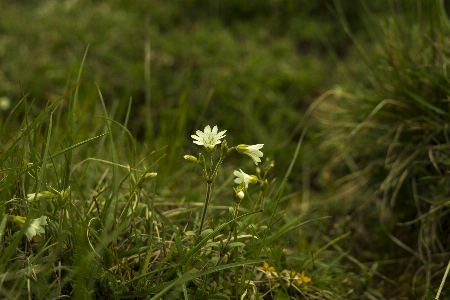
(254,68)
(250,67)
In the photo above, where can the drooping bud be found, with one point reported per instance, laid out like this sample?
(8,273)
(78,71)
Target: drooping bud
(46,195)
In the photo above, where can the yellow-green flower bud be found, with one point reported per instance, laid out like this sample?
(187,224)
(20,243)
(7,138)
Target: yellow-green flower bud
(46,195)
(144,179)
(63,196)
(191,159)
(17,220)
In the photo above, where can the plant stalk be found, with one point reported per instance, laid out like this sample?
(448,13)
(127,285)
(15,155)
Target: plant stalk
(232,230)
(205,206)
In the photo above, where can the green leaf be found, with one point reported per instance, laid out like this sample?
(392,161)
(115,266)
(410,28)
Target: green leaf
(280,295)
(179,245)
(235,245)
(165,287)
(213,245)
(374,292)
(205,233)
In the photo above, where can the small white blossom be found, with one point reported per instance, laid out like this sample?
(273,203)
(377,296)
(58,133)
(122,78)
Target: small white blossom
(240,194)
(208,138)
(244,178)
(46,195)
(252,151)
(36,227)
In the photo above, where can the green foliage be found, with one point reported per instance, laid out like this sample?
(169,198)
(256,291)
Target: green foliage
(152,73)
(393,134)
(185,64)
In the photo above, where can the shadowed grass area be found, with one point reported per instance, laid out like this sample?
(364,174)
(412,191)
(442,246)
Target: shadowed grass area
(234,64)
(87,220)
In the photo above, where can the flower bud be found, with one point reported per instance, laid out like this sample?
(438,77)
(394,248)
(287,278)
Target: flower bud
(253,179)
(202,161)
(191,159)
(224,149)
(17,220)
(145,178)
(46,195)
(239,193)
(63,196)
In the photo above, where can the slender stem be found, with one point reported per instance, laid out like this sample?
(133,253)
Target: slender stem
(205,206)
(221,159)
(443,281)
(211,163)
(236,269)
(232,229)
(211,177)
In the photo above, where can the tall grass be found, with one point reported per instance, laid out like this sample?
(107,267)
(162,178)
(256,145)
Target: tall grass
(391,129)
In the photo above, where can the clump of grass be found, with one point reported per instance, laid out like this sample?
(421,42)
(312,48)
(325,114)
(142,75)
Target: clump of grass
(392,138)
(83,217)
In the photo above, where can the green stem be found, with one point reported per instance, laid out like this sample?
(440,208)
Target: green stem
(205,206)
(209,183)
(232,230)
(236,269)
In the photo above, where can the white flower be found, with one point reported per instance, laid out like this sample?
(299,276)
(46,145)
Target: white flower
(208,138)
(46,195)
(252,151)
(244,178)
(36,227)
